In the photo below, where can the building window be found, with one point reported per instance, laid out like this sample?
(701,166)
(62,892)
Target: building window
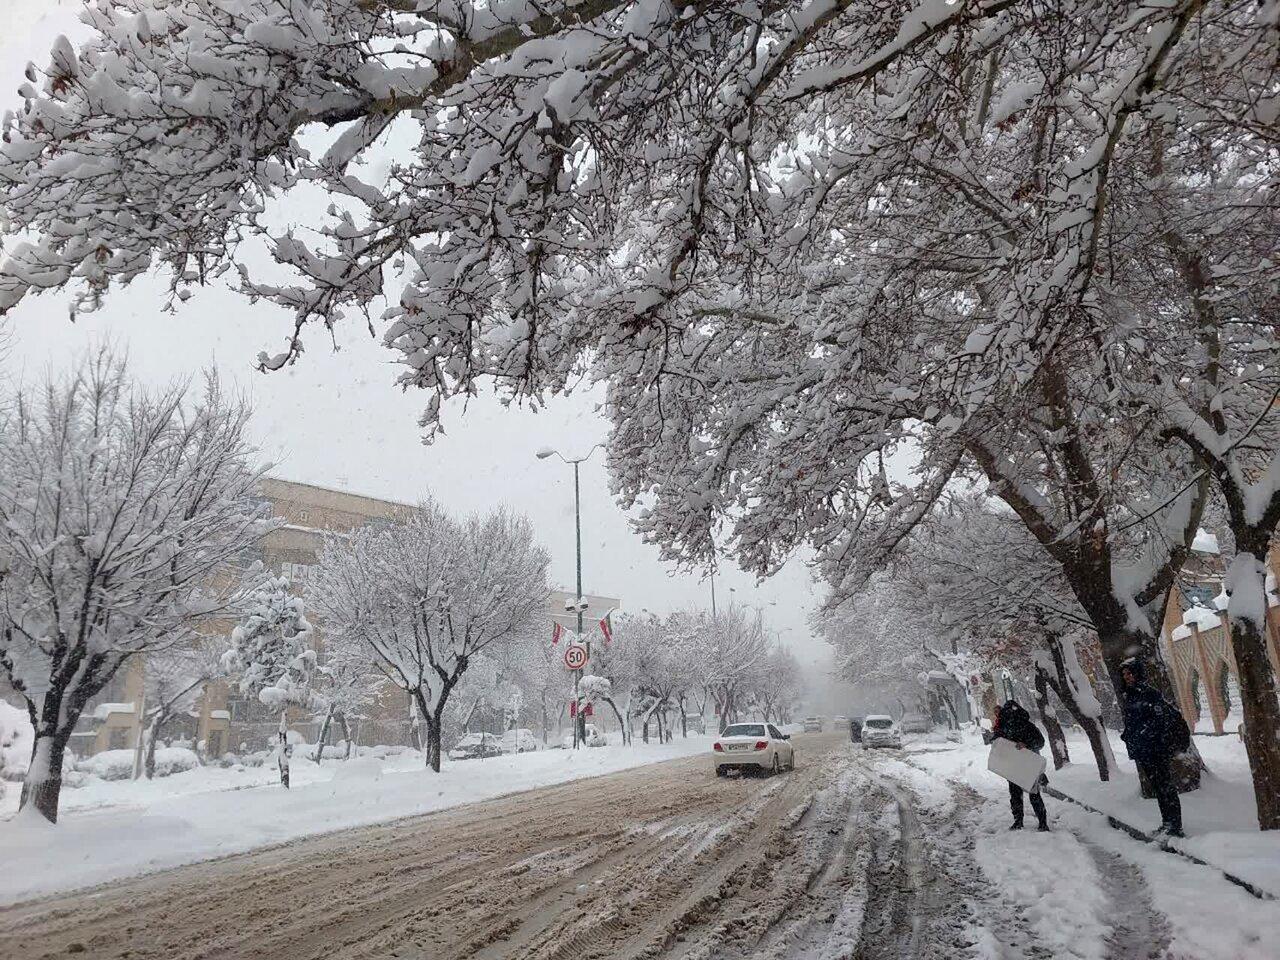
(297,572)
(118,738)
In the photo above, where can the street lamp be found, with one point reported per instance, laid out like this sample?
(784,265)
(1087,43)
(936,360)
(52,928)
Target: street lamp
(543,454)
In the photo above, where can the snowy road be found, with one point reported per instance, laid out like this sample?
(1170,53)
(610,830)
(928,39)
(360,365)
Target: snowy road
(839,859)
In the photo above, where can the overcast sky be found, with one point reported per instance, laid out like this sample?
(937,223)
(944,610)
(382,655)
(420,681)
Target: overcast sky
(338,420)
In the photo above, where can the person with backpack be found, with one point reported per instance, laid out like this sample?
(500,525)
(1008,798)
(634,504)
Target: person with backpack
(1013,723)
(1154,733)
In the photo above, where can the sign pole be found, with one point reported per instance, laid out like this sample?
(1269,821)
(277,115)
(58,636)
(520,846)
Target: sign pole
(580,725)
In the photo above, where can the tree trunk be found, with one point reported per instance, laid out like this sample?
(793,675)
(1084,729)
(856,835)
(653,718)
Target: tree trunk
(324,735)
(346,735)
(433,743)
(282,749)
(1091,725)
(153,734)
(43,784)
(1257,682)
(622,727)
(1057,741)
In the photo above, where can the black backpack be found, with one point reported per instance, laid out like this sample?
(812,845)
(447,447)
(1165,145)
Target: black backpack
(1177,734)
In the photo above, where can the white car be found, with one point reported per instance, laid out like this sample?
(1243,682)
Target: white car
(879,730)
(813,724)
(753,746)
(519,741)
(594,738)
(916,723)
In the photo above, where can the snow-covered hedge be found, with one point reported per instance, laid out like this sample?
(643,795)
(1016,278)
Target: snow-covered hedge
(118,764)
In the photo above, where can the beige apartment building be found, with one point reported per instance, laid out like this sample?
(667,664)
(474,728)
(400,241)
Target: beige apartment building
(223,720)
(1197,639)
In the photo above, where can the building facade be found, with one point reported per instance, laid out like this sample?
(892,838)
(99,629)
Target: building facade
(1196,636)
(222,720)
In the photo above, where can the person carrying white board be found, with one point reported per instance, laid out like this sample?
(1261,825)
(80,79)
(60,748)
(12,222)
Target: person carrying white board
(1014,724)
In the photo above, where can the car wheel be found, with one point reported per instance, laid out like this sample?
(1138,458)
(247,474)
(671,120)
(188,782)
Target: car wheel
(777,766)
(791,761)
(721,772)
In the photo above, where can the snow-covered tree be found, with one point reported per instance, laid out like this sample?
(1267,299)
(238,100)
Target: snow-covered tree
(975,568)
(883,638)
(347,684)
(729,653)
(428,593)
(117,508)
(272,657)
(174,679)
(794,239)
(780,684)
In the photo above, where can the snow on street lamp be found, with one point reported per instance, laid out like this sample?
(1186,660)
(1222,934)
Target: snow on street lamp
(579,605)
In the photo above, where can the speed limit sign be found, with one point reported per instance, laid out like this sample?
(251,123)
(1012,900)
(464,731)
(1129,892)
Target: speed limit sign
(575,656)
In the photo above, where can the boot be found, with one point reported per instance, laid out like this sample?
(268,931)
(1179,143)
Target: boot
(1016,825)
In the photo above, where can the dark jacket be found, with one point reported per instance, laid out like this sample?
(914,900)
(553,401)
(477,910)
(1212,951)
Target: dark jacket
(1153,728)
(1014,723)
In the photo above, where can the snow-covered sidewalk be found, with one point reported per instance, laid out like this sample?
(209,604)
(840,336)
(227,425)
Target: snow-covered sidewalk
(120,829)
(1074,880)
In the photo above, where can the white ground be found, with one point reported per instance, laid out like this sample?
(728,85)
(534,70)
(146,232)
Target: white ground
(122,828)
(881,855)
(1065,878)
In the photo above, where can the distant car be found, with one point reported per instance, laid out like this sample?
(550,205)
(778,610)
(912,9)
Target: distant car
(519,741)
(915,723)
(594,738)
(476,746)
(840,720)
(879,730)
(752,746)
(813,724)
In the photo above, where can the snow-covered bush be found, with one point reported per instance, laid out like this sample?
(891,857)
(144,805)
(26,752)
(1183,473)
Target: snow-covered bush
(170,760)
(108,764)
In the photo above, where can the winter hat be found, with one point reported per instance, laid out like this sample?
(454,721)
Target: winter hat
(1135,667)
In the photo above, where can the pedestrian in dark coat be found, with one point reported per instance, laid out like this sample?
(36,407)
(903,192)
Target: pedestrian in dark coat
(1014,724)
(1154,733)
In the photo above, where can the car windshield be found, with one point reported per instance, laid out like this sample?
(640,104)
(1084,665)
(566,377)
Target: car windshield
(744,730)
(879,723)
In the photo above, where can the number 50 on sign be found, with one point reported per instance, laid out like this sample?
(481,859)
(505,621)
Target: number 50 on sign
(575,656)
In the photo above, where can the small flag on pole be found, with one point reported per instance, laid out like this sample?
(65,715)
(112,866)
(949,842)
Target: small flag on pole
(556,630)
(604,628)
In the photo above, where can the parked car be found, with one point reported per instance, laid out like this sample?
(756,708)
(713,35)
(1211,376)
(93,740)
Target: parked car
(813,724)
(915,723)
(594,738)
(879,730)
(752,746)
(839,720)
(476,746)
(519,741)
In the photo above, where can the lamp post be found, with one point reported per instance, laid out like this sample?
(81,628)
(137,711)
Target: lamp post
(580,724)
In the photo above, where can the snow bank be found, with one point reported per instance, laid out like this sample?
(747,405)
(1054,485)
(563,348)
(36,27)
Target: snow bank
(1052,877)
(15,740)
(139,827)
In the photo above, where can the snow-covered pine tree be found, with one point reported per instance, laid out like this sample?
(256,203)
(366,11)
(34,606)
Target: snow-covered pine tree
(118,510)
(272,657)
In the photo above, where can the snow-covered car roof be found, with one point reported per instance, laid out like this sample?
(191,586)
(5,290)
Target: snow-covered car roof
(879,716)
